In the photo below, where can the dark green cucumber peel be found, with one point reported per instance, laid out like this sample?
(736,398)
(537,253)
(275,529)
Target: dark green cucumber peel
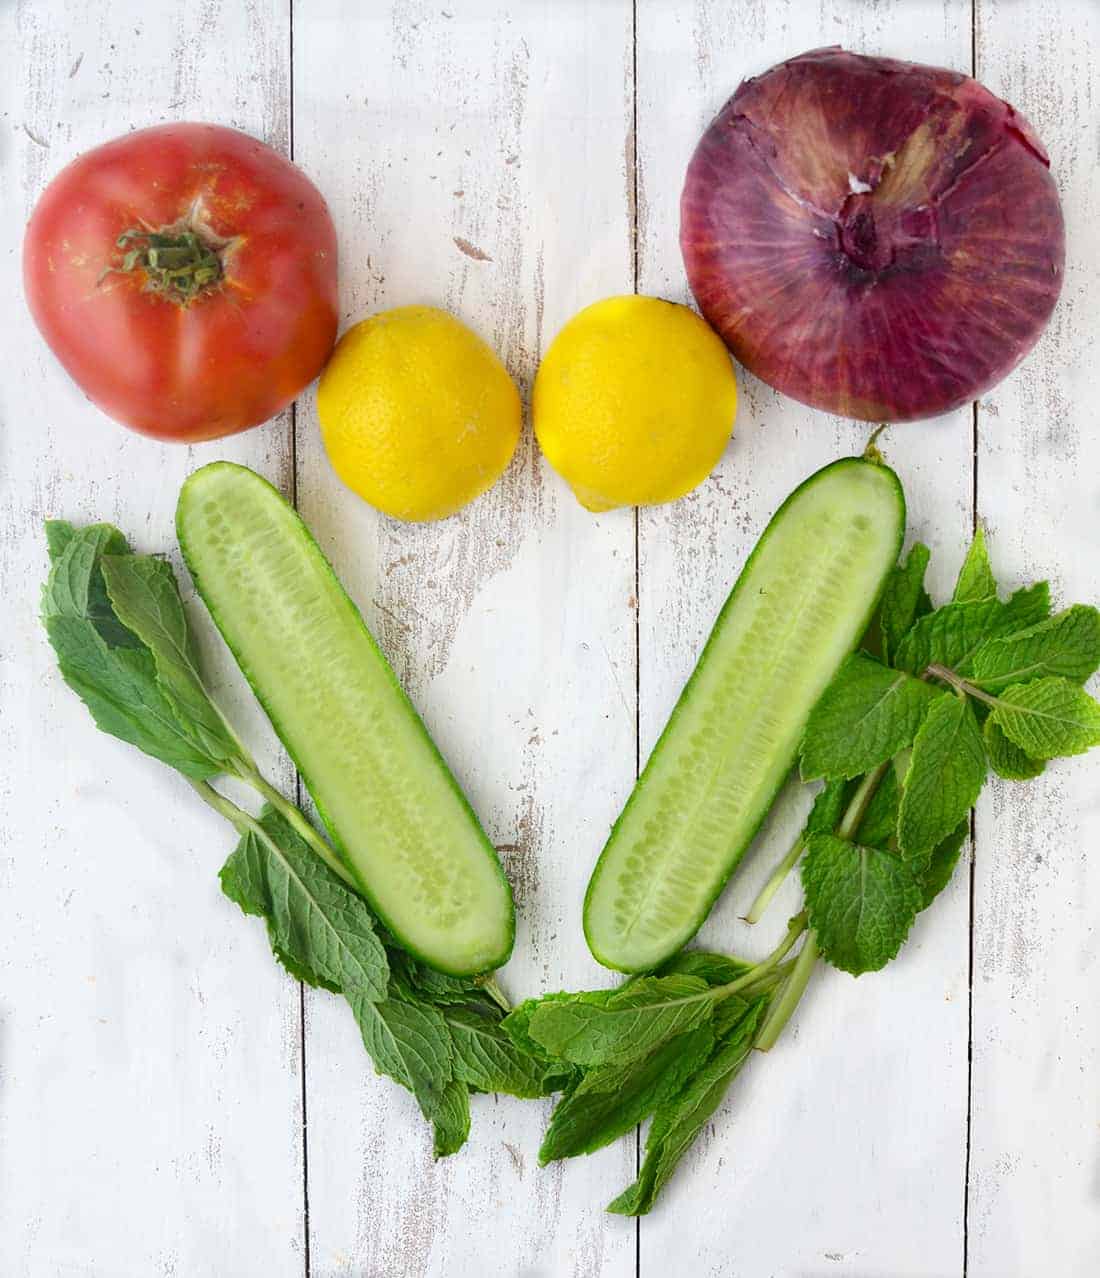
(632,917)
(398,823)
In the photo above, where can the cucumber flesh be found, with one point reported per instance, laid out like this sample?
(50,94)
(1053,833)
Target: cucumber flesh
(388,799)
(800,605)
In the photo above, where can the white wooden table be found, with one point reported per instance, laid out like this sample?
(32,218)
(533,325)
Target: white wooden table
(171,1104)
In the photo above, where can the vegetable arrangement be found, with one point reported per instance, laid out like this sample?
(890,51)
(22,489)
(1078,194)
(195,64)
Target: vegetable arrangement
(873,237)
(903,738)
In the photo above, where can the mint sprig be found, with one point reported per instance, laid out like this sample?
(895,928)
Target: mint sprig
(904,745)
(118,625)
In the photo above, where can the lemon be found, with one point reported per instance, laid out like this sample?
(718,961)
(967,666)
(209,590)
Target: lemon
(418,415)
(634,402)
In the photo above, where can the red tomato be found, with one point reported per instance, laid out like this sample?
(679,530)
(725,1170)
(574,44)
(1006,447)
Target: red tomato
(185,276)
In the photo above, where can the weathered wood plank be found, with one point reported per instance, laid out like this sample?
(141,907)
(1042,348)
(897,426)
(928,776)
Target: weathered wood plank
(149,1047)
(843,1151)
(474,156)
(1036,1114)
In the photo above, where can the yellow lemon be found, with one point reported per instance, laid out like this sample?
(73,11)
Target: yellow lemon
(634,402)
(418,415)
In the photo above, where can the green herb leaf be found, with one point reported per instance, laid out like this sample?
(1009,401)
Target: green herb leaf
(613,1099)
(678,1121)
(904,600)
(145,596)
(487,1058)
(59,532)
(629,1021)
(410,1043)
(944,778)
(1067,644)
(878,826)
(936,875)
(419,983)
(862,902)
(828,807)
(107,665)
(865,716)
(319,929)
(951,635)
(119,686)
(451,1120)
(1048,718)
(976,579)
(75,586)
(715,969)
(1006,758)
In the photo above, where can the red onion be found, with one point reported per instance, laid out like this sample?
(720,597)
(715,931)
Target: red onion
(875,238)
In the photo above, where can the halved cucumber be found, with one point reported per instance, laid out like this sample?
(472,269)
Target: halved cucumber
(390,803)
(799,607)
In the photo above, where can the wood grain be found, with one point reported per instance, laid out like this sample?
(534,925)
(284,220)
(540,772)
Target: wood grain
(1035,1147)
(474,159)
(149,1048)
(843,1150)
(480,155)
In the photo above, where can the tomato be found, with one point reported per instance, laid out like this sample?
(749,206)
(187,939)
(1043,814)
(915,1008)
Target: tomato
(185,276)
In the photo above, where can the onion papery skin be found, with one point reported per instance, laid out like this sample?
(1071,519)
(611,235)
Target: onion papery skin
(878,239)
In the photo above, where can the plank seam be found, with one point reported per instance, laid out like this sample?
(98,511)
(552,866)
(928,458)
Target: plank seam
(307,1265)
(637,522)
(973,812)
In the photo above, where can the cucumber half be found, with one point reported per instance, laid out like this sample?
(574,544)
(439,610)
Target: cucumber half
(388,799)
(800,605)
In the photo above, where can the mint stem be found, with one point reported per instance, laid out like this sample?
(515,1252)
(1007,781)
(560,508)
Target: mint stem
(294,817)
(857,806)
(775,881)
(245,823)
(493,990)
(794,987)
(961,685)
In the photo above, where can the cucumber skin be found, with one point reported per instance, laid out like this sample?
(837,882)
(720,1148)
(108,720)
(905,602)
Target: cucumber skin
(403,697)
(738,853)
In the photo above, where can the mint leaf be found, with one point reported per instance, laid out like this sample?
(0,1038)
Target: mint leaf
(1006,758)
(419,983)
(75,587)
(451,1119)
(879,823)
(678,1121)
(828,807)
(862,902)
(517,1024)
(59,532)
(119,686)
(1067,644)
(1048,718)
(976,579)
(319,929)
(951,635)
(487,1058)
(410,1043)
(625,1023)
(107,665)
(865,716)
(613,1099)
(936,875)
(904,600)
(715,969)
(946,773)
(145,596)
